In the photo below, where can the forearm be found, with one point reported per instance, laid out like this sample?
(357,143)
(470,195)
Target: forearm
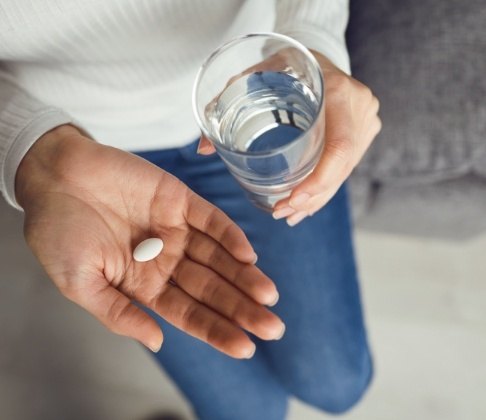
(46,162)
(318,24)
(23,119)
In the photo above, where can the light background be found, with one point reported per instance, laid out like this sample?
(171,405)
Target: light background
(426,311)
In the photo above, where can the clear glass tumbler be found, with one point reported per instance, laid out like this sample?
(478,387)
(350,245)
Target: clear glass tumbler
(259,99)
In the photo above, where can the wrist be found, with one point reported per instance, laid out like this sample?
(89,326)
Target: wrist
(325,63)
(40,166)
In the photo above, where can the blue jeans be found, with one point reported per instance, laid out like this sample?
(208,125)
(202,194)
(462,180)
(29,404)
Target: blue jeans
(324,358)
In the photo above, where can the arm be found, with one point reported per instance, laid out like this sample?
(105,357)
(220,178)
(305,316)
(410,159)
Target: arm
(351,109)
(86,205)
(318,24)
(351,113)
(23,120)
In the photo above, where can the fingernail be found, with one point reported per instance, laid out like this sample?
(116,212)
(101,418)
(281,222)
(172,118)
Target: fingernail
(299,199)
(281,333)
(283,212)
(296,218)
(203,149)
(274,302)
(251,352)
(255,259)
(155,347)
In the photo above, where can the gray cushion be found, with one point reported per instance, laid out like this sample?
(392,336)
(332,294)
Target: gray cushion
(426,62)
(453,210)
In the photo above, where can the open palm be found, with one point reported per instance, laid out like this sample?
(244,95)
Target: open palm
(85,215)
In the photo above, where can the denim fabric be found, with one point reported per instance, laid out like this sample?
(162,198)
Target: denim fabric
(323,358)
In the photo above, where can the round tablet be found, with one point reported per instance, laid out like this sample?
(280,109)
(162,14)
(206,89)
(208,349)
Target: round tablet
(147,250)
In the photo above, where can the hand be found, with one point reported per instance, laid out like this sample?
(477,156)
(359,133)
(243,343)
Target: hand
(87,206)
(352,122)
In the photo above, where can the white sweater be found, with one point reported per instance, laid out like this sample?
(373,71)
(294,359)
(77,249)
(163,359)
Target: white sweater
(123,70)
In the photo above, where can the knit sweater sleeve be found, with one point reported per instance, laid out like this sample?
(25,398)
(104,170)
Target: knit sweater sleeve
(23,119)
(318,24)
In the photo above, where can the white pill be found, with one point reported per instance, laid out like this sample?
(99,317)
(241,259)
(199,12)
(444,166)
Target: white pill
(147,250)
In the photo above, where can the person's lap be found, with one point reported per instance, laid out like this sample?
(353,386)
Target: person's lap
(323,358)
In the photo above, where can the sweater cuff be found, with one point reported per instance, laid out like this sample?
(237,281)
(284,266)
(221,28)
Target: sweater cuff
(318,40)
(17,134)
(318,24)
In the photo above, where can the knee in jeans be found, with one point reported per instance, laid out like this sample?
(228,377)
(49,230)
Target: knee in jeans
(335,391)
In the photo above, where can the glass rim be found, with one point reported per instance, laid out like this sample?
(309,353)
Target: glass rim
(226,46)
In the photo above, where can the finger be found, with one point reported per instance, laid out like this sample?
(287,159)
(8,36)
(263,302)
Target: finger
(199,321)
(373,130)
(208,287)
(375,105)
(320,200)
(335,163)
(117,313)
(210,220)
(371,126)
(246,277)
(205,147)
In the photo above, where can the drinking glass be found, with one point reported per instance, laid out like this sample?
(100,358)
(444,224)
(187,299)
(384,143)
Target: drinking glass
(259,99)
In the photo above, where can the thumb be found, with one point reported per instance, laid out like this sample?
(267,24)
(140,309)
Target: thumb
(205,146)
(117,313)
